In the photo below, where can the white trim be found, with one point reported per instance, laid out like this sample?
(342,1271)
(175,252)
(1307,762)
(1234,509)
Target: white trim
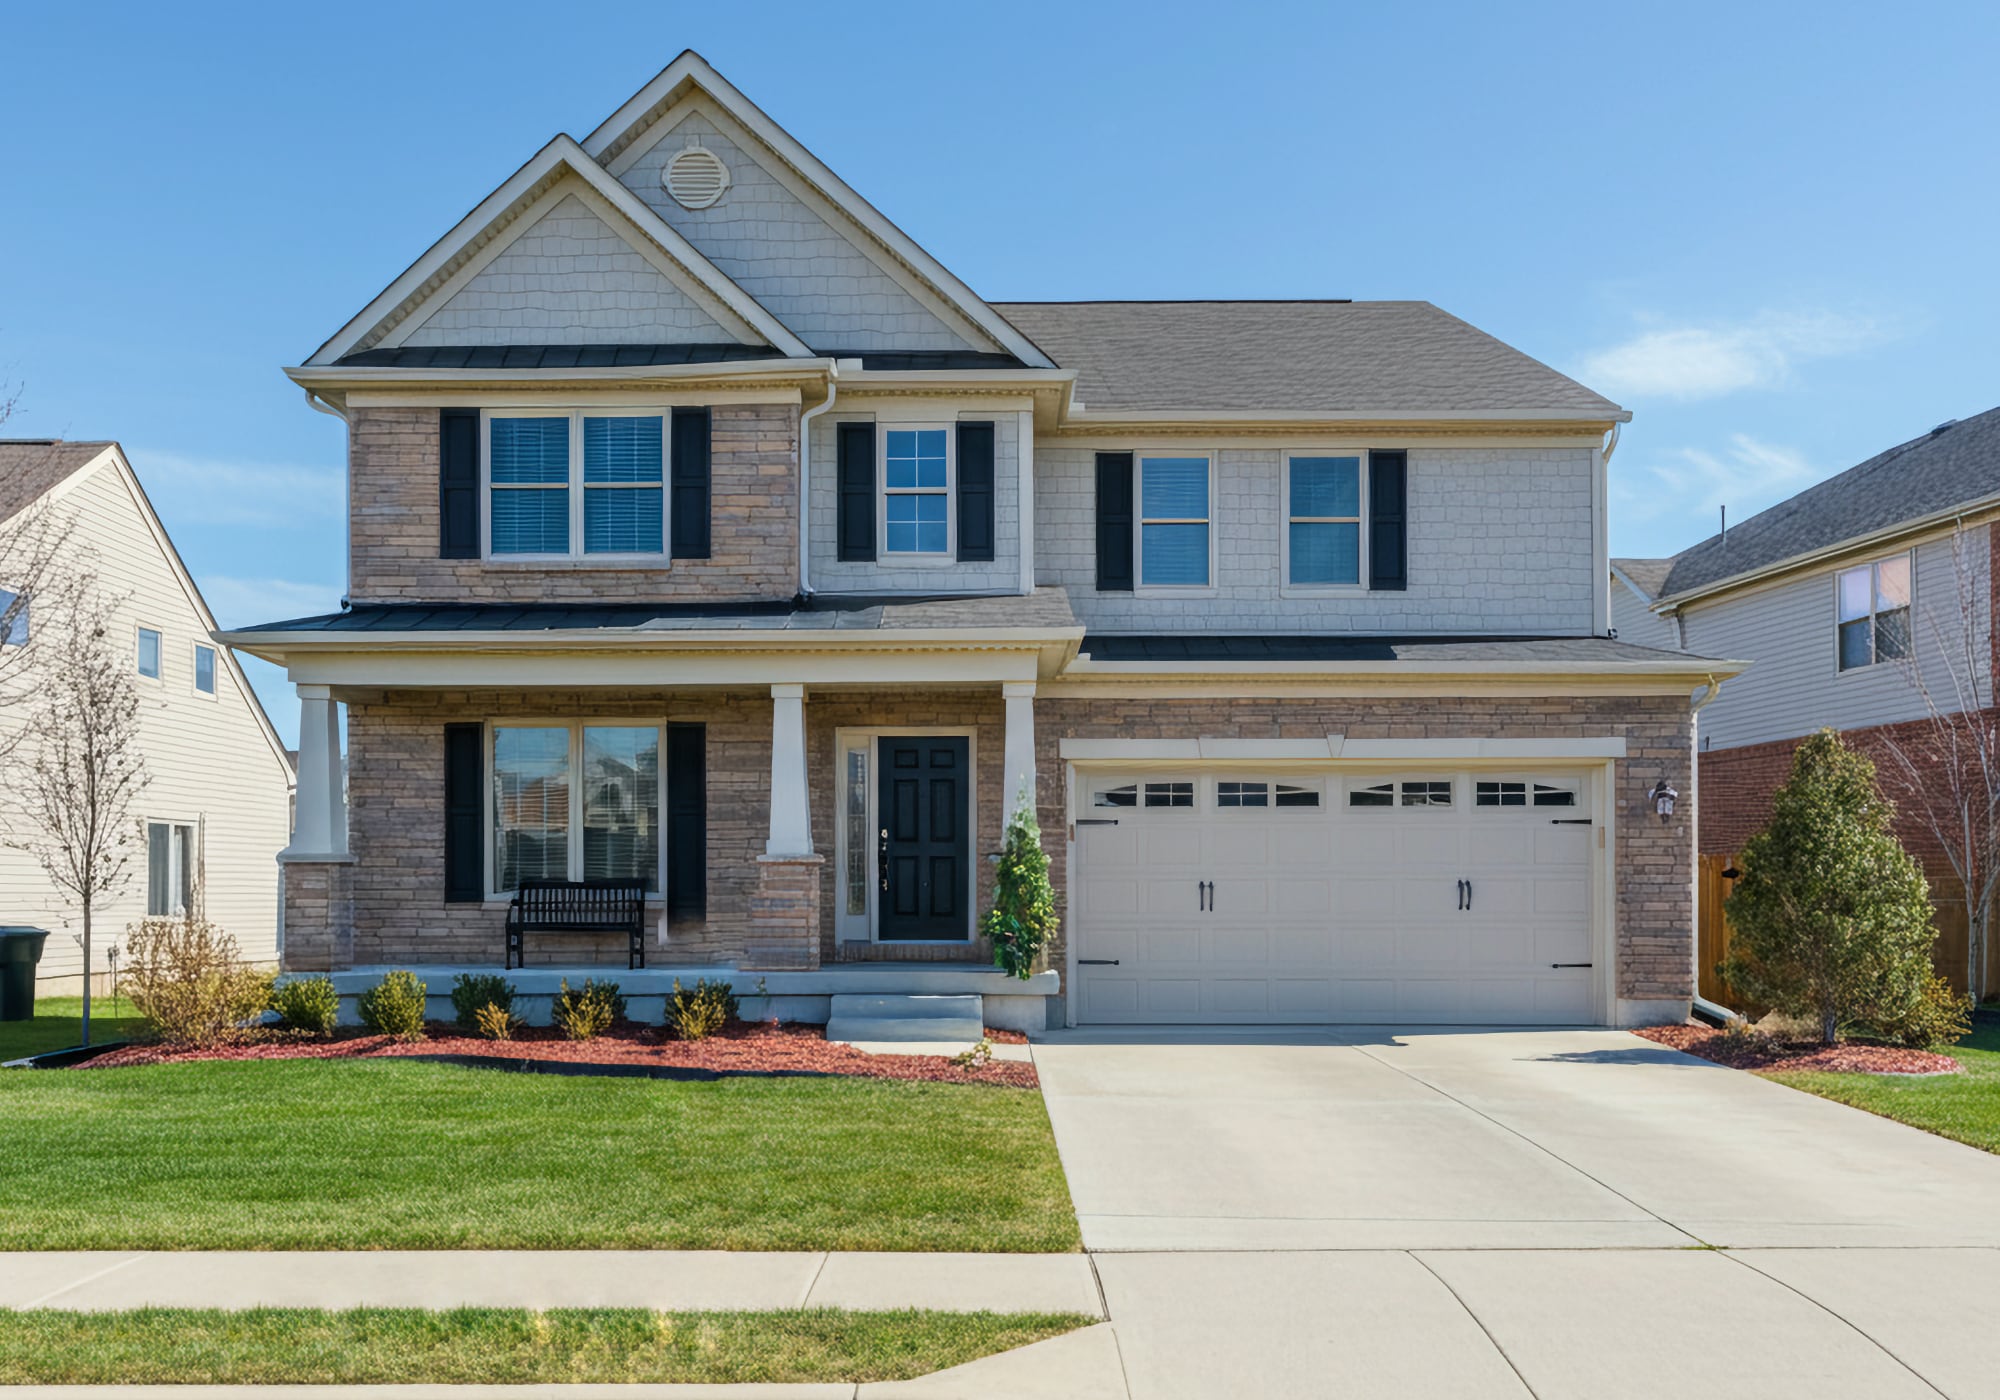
(139,631)
(690,67)
(1084,419)
(561,153)
(844,738)
(1873,566)
(916,558)
(1140,588)
(1024,512)
(1335,746)
(1600,542)
(190,878)
(574,837)
(577,487)
(1358,588)
(195,649)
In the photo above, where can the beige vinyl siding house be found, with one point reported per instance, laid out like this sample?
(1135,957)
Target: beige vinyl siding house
(219,781)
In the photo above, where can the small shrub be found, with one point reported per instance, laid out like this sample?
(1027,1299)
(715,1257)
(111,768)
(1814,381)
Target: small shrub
(1740,1036)
(587,1012)
(1023,917)
(186,978)
(978,1057)
(308,1004)
(495,1021)
(473,992)
(697,1014)
(395,1006)
(1940,1018)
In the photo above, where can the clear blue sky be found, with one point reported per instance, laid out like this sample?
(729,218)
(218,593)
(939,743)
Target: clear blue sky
(1768,230)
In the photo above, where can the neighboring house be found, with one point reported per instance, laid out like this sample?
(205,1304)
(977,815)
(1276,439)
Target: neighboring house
(1844,598)
(212,816)
(707,530)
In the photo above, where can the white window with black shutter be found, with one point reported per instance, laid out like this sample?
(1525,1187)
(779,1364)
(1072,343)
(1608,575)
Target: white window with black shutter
(915,492)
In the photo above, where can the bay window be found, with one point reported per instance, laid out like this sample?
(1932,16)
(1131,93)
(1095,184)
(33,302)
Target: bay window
(541,466)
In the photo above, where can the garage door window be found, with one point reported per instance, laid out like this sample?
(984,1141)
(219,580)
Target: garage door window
(1503,793)
(1232,793)
(1418,792)
(1169,794)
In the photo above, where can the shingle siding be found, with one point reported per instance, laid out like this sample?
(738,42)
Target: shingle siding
(1500,540)
(569,280)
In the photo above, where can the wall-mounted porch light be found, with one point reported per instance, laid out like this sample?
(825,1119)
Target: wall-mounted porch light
(1663,796)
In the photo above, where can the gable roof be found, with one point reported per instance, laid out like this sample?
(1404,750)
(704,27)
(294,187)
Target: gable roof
(30,468)
(1645,576)
(689,72)
(1327,358)
(492,218)
(1953,467)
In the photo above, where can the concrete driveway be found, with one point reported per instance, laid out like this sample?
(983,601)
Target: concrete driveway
(1510,1213)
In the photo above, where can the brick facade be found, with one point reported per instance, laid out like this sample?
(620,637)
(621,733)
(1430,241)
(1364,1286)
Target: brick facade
(392,460)
(319,915)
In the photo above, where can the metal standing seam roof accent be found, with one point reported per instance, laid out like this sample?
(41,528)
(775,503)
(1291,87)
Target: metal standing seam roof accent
(1953,465)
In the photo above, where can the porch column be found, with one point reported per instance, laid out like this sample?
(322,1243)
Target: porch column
(1020,751)
(321,828)
(791,811)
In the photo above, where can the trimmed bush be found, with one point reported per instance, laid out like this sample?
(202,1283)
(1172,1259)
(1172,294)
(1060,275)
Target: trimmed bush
(1023,917)
(395,1006)
(308,1004)
(588,1011)
(496,1022)
(472,992)
(697,1014)
(1832,915)
(186,978)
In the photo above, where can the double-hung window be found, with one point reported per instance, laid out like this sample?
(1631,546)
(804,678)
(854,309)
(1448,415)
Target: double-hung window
(1174,522)
(576,802)
(1874,602)
(576,484)
(149,653)
(916,489)
(170,868)
(1323,521)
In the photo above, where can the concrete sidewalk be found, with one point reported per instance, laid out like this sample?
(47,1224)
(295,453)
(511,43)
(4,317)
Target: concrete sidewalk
(658,1279)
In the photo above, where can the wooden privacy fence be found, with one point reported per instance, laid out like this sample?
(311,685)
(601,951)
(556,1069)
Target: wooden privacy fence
(1714,934)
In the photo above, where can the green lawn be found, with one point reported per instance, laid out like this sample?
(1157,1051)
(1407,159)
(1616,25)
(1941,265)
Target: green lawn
(314,1154)
(57,1025)
(389,1346)
(1965,1106)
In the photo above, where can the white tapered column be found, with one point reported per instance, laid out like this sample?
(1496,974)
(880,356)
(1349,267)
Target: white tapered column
(1020,750)
(791,812)
(321,829)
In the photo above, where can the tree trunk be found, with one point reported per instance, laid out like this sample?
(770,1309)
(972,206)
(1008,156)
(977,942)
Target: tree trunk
(86,969)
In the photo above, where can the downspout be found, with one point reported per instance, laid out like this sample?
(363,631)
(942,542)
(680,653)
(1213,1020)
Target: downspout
(1703,1009)
(320,405)
(805,475)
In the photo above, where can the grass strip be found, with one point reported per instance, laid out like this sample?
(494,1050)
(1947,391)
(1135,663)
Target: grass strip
(382,1154)
(1963,1106)
(499,1346)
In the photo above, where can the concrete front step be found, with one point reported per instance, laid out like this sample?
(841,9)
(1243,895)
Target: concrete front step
(906,1017)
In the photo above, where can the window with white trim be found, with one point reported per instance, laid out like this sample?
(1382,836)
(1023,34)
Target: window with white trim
(1323,521)
(204,669)
(1233,793)
(1161,794)
(575,484)
(916,490)
(1174,522)
(547,826)
(170,868)
(1409,792)
(149,653)
(1874,618)
(13,619)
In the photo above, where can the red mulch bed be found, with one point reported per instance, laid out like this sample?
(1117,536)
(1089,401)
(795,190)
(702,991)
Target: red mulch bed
(761,1048)
(1711,1044)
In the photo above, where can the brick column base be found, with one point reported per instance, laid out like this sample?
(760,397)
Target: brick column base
(784,915)
(318,915)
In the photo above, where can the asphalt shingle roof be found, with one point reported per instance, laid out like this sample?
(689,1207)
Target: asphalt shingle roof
(1949,466)
(32,467)
(1291,356)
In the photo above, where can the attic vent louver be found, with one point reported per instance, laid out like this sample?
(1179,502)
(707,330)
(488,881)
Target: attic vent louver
(696,178)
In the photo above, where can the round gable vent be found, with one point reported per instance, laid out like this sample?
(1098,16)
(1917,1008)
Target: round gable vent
(695,177)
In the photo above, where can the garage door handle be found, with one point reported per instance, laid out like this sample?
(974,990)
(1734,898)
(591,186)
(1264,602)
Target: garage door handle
(1097,962)
(1461,896)
(1468,895)
(1572,964)
(1569,821)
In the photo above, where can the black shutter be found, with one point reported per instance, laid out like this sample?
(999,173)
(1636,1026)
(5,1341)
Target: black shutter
(690,480)
(458,483)
(857,491)
(1388,515)
(1114,522)
(464,824)
(975,493)
(687,821)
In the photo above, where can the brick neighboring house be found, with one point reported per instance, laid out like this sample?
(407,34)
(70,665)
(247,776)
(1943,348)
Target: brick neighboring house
(707,530)
(1849,600)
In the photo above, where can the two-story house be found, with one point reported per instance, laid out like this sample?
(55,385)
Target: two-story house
(213,813)
(1864,603)
(706,529)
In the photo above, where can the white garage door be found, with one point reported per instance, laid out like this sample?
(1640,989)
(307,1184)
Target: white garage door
(1412,897)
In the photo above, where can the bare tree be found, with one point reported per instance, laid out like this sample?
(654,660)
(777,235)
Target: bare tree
(70,803)
(38,571)
(1944,770)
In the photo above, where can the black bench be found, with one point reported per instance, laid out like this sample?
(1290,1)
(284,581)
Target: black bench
(578,906)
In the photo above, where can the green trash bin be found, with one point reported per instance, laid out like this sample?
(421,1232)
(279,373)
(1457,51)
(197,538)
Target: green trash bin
(20,950)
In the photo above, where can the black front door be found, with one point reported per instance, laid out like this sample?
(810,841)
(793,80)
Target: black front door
(924,850)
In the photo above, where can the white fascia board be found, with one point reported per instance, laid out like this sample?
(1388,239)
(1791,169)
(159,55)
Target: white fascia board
(653,670)
(692,67)
(562,152)
(792,371)
(1873,539)
(1083,418)
(1334,746)
(665,640)
(1696,670)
